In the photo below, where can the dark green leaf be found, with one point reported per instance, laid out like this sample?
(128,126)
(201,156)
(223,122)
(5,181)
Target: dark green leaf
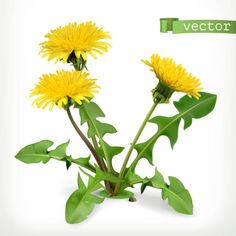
(189,108)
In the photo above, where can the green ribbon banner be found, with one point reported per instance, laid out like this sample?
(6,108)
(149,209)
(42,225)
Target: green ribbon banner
(197,26)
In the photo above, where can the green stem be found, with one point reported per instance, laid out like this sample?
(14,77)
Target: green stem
(122,171)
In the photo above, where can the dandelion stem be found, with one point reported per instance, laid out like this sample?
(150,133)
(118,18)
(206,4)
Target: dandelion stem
(100,162)
(122,171)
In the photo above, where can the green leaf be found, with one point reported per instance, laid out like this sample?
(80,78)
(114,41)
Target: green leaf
(80,183)
(89,112)
(132,178)
(105,150)
(84,162)
(178,196)
(111,150)
(38,152)
(121,195)
(189,108)
(82,201)
(60,151)
(35,153)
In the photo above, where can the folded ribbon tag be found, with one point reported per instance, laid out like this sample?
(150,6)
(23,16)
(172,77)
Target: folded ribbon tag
(197,26)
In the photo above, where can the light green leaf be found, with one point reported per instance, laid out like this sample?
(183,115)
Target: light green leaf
(82,201)
(60,151)
(132,178)
(89,112)
(84,162)
(77,207)
(189,108)
(178,196)
(38,152)
(35,153)
(80,183)
(110,151)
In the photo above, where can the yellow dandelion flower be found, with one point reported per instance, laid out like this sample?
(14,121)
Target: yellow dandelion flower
(75,39)
(174,76)
(62,86)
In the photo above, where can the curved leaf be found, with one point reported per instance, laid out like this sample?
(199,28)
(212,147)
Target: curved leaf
(89,112)
(38,152)
(189,108)
(82,201)
(35,153)
(178,196)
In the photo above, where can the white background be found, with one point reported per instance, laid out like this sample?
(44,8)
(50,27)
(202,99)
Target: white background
(33,197)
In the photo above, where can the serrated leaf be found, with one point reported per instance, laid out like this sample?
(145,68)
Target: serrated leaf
(169,127)
(89,112)
(82,201)
(60,151)
(35,153)
(111,151)
(100,129)
(178,196)
(38,152)
(132,178)
(157,181)
(189,108)
(84,162)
